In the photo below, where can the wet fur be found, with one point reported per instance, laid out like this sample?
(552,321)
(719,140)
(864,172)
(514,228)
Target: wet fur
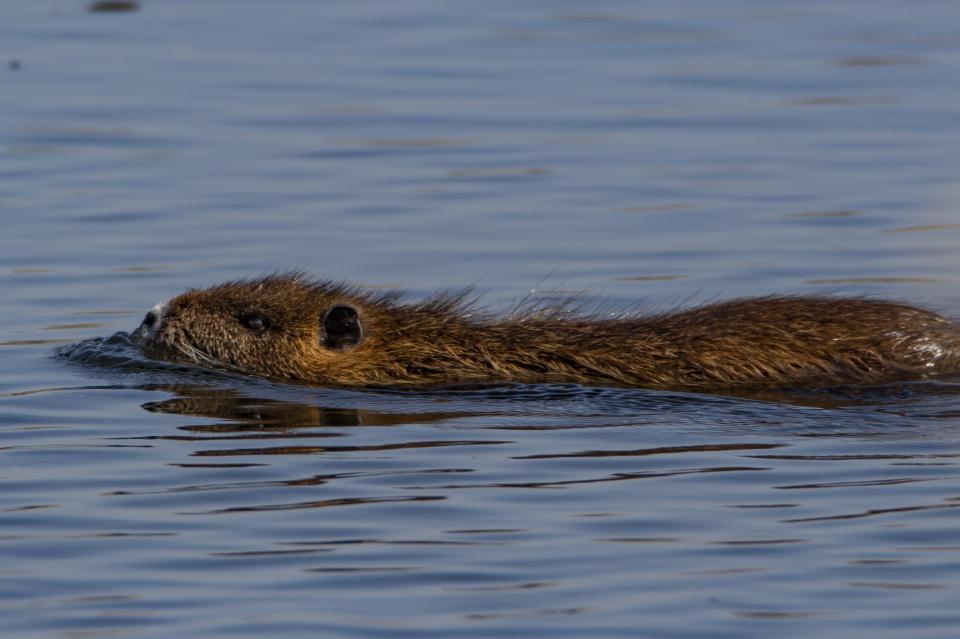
(770,341)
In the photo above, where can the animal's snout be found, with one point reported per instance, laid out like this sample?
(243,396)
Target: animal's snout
(151,321)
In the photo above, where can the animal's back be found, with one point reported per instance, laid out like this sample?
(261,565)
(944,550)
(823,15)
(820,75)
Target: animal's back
(795,340)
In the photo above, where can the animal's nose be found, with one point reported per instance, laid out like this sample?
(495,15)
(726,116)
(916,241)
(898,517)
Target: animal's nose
(154,317)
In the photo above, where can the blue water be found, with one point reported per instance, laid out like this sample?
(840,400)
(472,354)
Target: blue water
(660,153)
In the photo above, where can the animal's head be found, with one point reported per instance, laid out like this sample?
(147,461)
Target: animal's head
(278,326)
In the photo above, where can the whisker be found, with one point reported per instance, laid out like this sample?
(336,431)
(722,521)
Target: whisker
(198,356)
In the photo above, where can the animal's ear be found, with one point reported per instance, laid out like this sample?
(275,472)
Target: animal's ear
(341,328)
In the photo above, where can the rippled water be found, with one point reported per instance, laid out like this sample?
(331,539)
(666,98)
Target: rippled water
(632,152)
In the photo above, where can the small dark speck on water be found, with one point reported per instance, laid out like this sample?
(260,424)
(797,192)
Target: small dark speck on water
(113,6)
(14,65)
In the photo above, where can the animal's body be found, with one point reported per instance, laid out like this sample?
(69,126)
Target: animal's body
(292,327)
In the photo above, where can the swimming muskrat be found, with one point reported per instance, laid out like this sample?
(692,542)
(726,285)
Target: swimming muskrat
(289,326)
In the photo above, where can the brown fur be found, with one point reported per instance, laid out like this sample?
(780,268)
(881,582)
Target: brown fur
(771,341)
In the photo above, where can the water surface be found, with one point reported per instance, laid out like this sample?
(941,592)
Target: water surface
(655,153)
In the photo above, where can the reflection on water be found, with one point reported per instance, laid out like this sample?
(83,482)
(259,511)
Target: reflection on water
(265,415)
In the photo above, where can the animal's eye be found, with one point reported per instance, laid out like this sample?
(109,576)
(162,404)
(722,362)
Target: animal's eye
(255,322)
